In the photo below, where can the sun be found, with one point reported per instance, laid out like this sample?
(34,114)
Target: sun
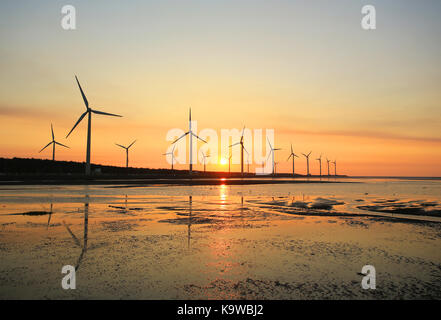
(223,161)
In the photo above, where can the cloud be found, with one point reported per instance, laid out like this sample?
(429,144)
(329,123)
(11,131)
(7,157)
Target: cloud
(362,134)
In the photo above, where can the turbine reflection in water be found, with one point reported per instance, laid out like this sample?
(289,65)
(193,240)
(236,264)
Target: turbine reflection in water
(85,234)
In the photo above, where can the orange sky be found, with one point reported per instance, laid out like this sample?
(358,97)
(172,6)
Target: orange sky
(370,99)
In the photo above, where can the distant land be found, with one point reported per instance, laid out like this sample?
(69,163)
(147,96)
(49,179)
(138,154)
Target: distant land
(15,171)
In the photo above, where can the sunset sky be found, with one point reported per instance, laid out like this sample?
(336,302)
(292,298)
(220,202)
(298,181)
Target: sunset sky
(370,99)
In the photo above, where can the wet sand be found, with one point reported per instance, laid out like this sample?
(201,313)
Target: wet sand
(223,246)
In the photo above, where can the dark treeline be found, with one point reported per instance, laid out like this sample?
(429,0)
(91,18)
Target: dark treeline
(39,170)
(39,167)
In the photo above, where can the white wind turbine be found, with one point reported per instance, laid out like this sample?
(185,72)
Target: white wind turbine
(293,155)
(192,134)
(327,160)
(272,152)
(172,153)
(127,151)
(53,142)
(335,167)
(319,159)
(88,112)
(307,162)
(204,158)
(242,148)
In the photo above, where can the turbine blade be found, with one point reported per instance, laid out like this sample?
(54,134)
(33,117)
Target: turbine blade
(82,93)
(105,113)
(269,143)
(245,150)
(277,149)
(196,136)
(79,120)
(120,146)
(46,146)
(60,144)
(234,144)
(269,154)
(243,131)
(52,130)
(131,144)
(181,137)
(289,157)
(291,149)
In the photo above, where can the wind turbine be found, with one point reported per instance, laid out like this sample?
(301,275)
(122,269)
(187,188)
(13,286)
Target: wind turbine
(293,155)
(204,157)
(307,162)
(172,153)
(272,151)
(88,112)
(229,162)
(275,168)
(127,151)
(192,134)
(319,159)
(335,167)
(242,148)
(327,160)
(53,142)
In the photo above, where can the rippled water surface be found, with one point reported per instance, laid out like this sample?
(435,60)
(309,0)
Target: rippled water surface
(279,241)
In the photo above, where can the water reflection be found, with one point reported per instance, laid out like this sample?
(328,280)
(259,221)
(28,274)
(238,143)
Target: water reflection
(223,195)
(50,215)
(85,234)
(190,200)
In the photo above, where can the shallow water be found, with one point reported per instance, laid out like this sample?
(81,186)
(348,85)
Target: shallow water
(296,241)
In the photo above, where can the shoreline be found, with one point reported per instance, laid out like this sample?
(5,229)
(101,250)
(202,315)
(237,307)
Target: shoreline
(140,182)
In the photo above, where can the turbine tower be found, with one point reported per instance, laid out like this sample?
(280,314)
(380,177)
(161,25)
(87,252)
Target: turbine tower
(172,153)
(319,159)
(242,148)
(275,168)
(88,112)
(335,167)
(53,142)
(192,134)
(204,157)
(272,151)
(327,160)
(293,155)
(307,162)
(127,151)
